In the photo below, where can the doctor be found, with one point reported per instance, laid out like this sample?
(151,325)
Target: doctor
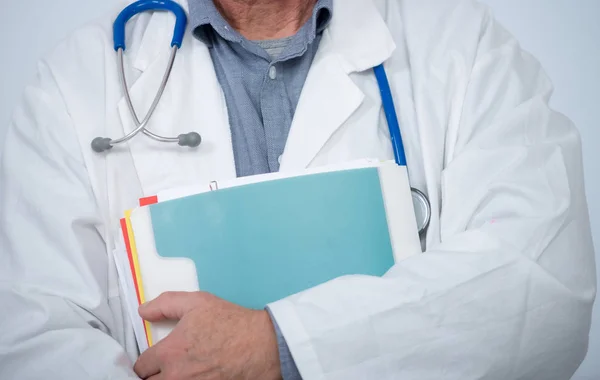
(504,287)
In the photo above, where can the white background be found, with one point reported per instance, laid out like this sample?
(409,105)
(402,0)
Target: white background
(563,34)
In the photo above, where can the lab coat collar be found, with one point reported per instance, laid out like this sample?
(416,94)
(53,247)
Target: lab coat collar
(358,33)
(359,36)
(192,101)
(356,40)
(156,38)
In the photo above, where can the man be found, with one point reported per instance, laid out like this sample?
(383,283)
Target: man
(503,289)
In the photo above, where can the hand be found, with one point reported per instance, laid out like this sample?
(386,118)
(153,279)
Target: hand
(214,339)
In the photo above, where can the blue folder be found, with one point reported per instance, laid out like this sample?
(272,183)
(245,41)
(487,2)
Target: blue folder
(258,243)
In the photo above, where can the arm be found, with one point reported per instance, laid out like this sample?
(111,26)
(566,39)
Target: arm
(56,318)
(508,291)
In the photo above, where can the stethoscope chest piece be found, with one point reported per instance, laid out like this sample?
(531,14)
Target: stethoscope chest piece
(422,210)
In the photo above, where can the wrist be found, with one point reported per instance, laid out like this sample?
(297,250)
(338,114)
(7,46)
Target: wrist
(267,348)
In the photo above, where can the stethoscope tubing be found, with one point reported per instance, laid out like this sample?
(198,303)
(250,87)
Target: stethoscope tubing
(193,139)
(391,116)
(141,126)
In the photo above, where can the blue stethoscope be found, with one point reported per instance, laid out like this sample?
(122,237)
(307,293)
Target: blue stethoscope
(192,139)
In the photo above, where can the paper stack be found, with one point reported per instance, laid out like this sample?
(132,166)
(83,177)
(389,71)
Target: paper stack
(255,240)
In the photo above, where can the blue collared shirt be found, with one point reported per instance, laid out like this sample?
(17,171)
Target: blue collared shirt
(261,90)
(262,82)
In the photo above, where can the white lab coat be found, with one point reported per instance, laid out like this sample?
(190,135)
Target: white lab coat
(504,289)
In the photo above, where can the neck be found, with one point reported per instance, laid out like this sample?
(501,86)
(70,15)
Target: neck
(266,19)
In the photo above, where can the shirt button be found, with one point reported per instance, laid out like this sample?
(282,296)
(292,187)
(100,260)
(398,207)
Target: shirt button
(272,72)
(279,159)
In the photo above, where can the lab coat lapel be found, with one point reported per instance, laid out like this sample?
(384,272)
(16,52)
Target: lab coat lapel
(356,40)
(192,101)
(328,98)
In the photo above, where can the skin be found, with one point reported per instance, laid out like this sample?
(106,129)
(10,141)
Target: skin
(213,338)
(266,19)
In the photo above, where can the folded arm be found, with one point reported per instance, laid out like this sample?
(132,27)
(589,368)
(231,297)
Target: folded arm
(508,291)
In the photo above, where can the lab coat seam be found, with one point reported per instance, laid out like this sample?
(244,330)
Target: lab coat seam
(485,187)
(485,324)
(557,215)
(80,156)
(61,159)
(369,319)
(501,320)
(567,291)
(520,335)
(449,152)
(91,320)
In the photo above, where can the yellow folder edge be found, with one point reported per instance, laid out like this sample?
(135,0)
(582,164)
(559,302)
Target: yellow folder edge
(137,274)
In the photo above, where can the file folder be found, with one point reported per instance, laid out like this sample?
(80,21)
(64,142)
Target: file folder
(263,240)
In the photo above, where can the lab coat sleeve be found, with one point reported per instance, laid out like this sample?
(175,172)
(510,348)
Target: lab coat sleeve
(55,321)
(507,292)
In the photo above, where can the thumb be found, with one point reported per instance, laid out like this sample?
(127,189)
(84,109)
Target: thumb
(167,306)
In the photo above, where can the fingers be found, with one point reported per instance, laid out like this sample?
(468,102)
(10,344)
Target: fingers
(148,364)
(168,306)
(158,376)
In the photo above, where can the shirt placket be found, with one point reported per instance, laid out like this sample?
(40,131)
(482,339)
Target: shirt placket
(276,113)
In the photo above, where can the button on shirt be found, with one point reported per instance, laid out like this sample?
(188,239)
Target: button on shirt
(261,80)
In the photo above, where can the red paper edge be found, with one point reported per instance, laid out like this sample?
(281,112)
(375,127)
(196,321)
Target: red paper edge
(148,201)
(130,258)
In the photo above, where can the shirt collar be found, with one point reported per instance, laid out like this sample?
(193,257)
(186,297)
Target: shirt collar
(205,17)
